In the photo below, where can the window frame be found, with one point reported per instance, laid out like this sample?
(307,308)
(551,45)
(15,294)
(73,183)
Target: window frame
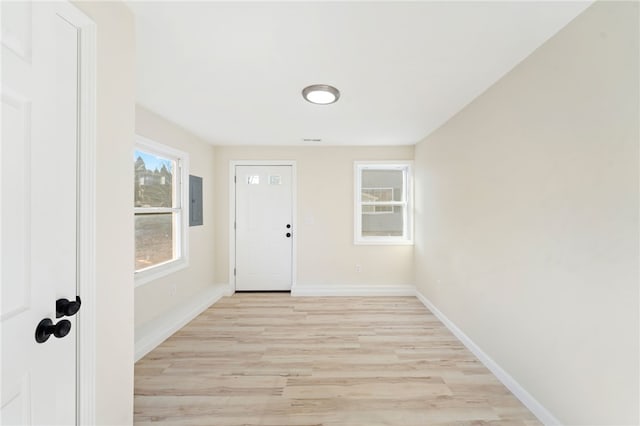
(406,203)
(181,208)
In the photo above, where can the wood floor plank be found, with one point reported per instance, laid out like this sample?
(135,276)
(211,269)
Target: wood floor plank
(271,359)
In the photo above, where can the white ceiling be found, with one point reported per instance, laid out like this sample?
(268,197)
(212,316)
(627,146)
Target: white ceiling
(233,72)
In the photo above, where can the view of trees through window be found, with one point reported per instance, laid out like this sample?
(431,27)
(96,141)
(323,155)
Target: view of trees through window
(154,200)
(153,181)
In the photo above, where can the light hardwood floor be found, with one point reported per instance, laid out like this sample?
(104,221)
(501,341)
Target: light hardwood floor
(272,359)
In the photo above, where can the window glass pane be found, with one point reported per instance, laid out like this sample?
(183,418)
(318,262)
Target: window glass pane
(154,239)
(153,181)
(382,185)
(387,224)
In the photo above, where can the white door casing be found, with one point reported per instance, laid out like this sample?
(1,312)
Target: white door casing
(40,187)
(264,227)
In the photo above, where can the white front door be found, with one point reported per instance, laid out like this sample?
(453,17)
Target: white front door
(264,228)
(39,208)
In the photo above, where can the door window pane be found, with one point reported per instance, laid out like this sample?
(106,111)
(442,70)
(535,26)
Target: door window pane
(154,239)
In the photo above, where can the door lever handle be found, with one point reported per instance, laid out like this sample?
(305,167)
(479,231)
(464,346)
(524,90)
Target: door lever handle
(46,328)
(67,308)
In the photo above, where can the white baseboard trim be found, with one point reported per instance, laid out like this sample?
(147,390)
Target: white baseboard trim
(150,335)
(510,383)
(352,290)
(229,289)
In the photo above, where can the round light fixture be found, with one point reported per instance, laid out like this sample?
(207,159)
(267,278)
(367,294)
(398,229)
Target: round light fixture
(321,94)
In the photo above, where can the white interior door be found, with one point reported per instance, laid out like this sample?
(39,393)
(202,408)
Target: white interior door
(264,228)
(39,209)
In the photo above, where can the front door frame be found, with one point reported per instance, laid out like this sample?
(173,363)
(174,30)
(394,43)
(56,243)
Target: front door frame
(86,319)
(232,214)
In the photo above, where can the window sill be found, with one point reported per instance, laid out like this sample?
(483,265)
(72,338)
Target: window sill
(381,242)
(161,270)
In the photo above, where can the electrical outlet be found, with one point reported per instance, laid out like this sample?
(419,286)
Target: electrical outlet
(173,289)
(358,267)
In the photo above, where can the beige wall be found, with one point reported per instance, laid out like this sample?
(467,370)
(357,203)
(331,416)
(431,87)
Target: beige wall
(154,298)
(527,219)
(114,233)
(326,253)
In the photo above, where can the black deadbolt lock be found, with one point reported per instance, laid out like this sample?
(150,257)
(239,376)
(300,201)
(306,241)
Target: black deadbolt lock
(66,308)
(288,226)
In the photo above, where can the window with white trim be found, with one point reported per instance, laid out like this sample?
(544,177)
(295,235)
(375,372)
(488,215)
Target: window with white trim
(159,209)
(383,203)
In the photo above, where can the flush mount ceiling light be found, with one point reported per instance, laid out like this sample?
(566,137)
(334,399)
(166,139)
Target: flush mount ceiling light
(321,94)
